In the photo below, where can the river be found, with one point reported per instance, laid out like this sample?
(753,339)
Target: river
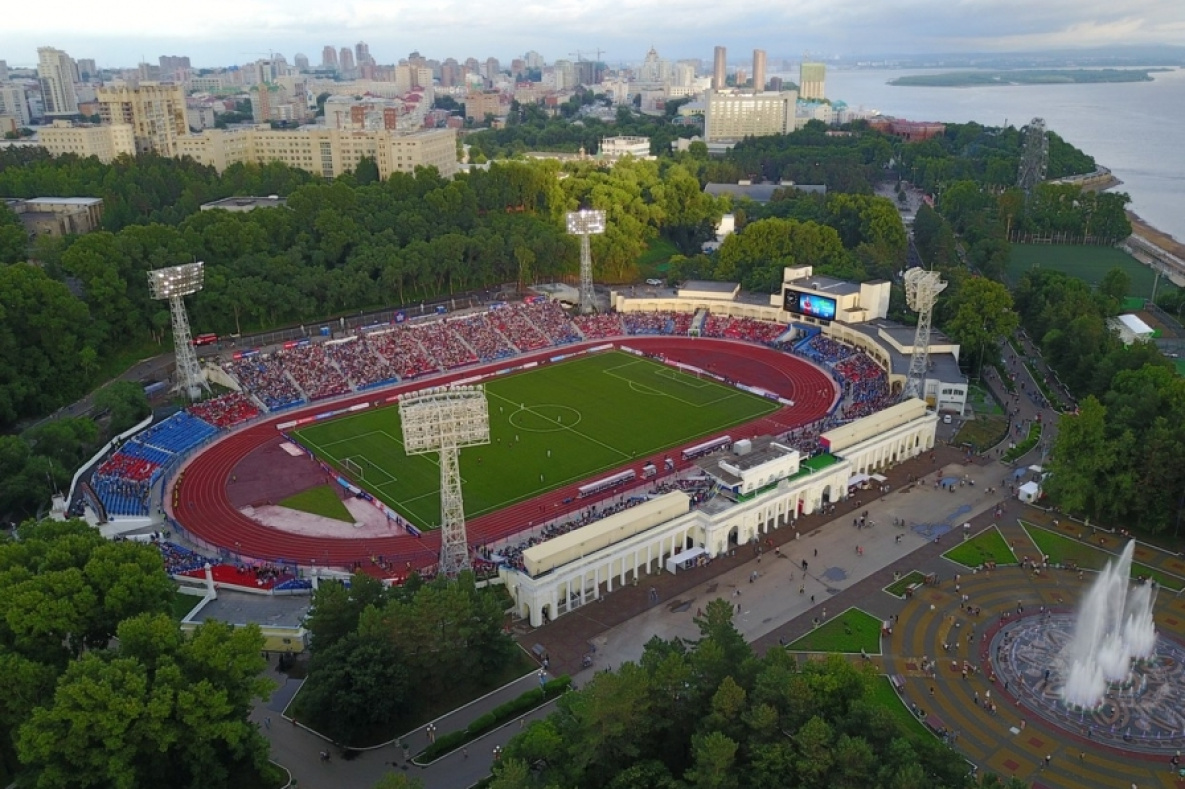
(1134,128)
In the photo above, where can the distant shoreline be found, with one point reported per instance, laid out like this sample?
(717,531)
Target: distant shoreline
(1026,77)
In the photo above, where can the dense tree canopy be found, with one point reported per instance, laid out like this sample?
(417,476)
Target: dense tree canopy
(712,714)
(102,688)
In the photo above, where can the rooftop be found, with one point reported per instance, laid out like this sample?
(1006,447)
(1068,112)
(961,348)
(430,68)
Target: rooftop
(759,193)
(245,203)
(243,608)
(80,201)
(824,284)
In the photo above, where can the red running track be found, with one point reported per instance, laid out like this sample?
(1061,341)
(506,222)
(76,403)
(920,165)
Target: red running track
(204,508)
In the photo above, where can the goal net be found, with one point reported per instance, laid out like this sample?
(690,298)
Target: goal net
(354,467)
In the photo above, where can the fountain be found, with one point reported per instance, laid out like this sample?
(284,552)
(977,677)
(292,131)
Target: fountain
(1113,627)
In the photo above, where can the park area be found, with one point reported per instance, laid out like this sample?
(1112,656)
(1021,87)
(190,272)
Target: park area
(987,546)
(549,427)
(852,631)
(1063,550)
(1089,263)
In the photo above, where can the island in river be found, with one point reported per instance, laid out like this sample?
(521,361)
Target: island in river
(977,79)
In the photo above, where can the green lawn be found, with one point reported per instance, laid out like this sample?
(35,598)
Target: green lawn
(654,261)
(321,500)
(898,587)
(882,694)
(988,546)
(1089,263)
(1063,550)
(182,604)
(550,426)
(981,400)
(850,631)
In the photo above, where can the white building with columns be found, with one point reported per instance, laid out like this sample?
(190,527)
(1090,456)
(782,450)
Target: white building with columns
(665,533)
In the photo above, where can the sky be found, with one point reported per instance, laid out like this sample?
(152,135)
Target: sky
(226,32)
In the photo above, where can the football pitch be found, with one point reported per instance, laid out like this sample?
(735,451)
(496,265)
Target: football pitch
(549,426)
(1090,263)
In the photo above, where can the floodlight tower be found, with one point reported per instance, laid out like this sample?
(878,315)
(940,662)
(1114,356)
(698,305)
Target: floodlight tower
(584,223)
(444,419)
(173,284)
(921,291)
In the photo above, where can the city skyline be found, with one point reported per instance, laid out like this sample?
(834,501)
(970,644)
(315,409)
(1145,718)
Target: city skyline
(227,34)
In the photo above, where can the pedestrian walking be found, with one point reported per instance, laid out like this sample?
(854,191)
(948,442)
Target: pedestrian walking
(267,723)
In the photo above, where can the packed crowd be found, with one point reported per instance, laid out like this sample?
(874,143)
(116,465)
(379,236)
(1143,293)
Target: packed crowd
(179,559)
(824,350)
(360,363)
(447,347)
(312,369)
(264,377)
(125,467)
(749,329)
(225,410)
(518,329)
(597,327)
(401,347)
(657,322)
(550,318)
(482,338)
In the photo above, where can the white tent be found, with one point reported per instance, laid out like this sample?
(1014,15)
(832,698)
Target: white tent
(857,479)
(685,558)
(1029,492)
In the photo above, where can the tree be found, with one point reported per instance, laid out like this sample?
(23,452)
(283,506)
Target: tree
(1081,456)
(14,240)
(983,316)
(345,680)
(126,403)
(1115,285)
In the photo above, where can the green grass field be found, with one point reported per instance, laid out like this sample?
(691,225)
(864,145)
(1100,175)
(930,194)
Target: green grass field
(850,631)
(1089,263)
(321,500)
(898,587)
(988,546)
(549,427)
(1062,550)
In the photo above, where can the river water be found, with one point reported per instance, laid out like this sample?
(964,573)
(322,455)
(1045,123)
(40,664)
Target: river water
(1136,129)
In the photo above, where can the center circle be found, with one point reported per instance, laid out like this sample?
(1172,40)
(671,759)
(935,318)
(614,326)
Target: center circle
(1142,713)
(545,418)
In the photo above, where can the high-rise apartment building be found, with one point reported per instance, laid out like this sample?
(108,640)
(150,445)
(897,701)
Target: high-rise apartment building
(533,59)
(345,60)
(362,53)
(720,69)
(329,57)
(732,115)
(14,103)
(450,73)
(171,65)
(3,70)
(492,69)
(758,70)
(87,70)
(57,74)
(155,112)
(301,61)
(811,81)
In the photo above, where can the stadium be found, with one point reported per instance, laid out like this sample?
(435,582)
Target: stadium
(650,437)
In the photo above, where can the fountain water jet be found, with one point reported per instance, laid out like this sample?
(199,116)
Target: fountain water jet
(1113,627)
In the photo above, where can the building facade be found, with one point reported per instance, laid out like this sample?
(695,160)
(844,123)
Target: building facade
(735,115)
(106,143)
(326,152)
(15,103)
(155,112)
(812,78)
(720,69)
(57,74)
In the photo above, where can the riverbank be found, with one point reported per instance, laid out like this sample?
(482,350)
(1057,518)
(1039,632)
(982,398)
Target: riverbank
(1156,237)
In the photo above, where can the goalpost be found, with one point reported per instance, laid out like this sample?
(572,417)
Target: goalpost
(354,468)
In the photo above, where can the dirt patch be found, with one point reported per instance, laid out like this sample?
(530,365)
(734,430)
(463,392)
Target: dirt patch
(268,474)
(1160,239)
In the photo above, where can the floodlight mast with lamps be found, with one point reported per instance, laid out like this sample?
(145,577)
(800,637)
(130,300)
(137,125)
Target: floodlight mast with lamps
(173,284)
(443,420)
(585,223)
(921,291)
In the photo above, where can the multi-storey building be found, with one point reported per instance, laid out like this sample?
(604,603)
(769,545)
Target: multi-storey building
(362,53)
(57,74)
(720,69)
(345,60)
(155,112)
(811,81)
(15,103)
(329,57)
(301,61)
(103,142)
(479,105)
(87,69)
(326,152)
(735,114)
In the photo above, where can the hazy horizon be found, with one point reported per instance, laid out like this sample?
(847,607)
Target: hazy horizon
(228,33)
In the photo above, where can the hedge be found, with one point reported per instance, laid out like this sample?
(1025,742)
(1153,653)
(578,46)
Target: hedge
(493,719)
(1024,446)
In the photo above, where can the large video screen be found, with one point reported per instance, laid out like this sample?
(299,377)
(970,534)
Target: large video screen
(808,304)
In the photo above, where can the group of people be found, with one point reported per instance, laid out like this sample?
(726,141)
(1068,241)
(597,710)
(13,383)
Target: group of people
(598,327)
(748,329)
(487,343)
(264,377)
(676,323)
(225,410)
(361,365)
(312,369)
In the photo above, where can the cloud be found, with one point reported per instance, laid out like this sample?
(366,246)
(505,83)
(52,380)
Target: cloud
(225,31)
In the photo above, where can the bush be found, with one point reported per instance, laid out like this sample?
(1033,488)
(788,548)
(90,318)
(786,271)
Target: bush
(493,719)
